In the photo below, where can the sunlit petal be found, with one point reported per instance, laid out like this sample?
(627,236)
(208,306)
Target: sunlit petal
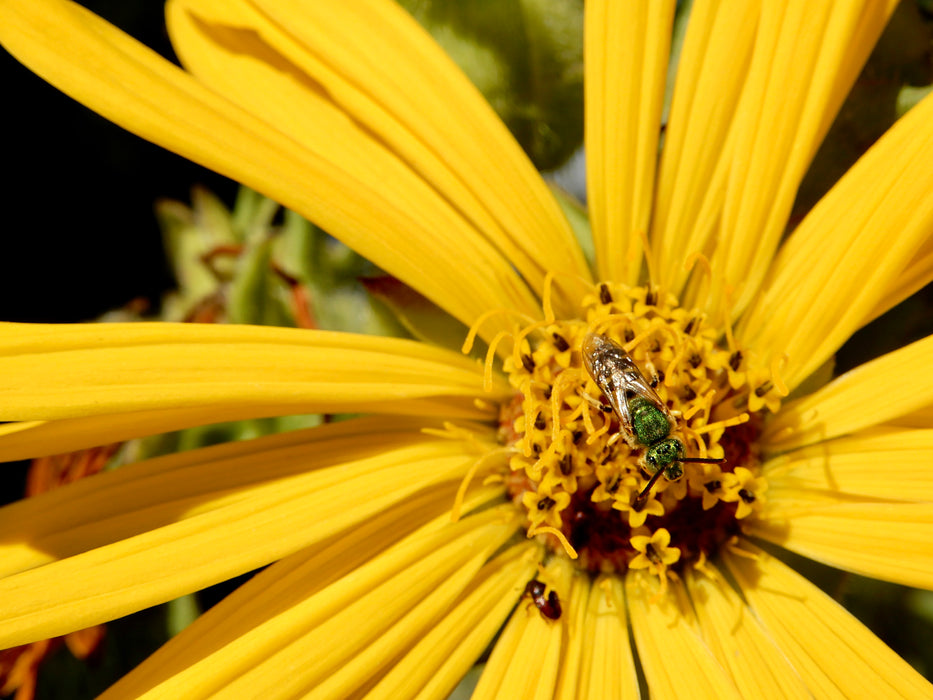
(665,631)
(885,464)
(877,392)
(842,267)
(887,541)
(835,654)
(807,55)
(62,371)
(627,45)
(757,665)
(108,538)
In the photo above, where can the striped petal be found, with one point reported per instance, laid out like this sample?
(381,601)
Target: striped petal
(711,71)
(271,609)
(151,532)
(359,60)
(807,55)
(525,659)
(59,372)
(835,654)
(887,541)
(360,196)
(607,665)
(891,464)
(675,658)
(880,391)
(626,47)
(842,267)
(757,665)
(444,654)
(305,648)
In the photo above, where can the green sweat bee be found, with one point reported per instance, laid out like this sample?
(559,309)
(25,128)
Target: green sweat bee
(644,418)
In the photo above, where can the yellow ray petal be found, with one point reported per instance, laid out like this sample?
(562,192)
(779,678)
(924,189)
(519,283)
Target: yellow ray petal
(39,438)
(834,653)
(915,275)
(879,391)
(918,418)
(887,541)
(676,661)
(525,659)
(757,665)
(397,228)
(879,465)
(139,536)
(807,55)
(607,667)
(60,371)
(332,573)
(169,489)
(841,266)
(340,78)
(308,647)
(710,74)
(627,45)
(442,657)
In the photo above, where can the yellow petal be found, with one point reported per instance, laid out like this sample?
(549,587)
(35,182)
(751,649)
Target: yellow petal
(757,665)
(525,659)
(676,661)
(124,540)
(404,230)
(887,541)
(807,55)
(61,371)
(273,607)
(694,162)
(352,632)
(842,266)
(915,275)
(879,465)
(607,666)
(877,392)
(39,438)
(444,655)
(627,45)
(339,77)
(834,653)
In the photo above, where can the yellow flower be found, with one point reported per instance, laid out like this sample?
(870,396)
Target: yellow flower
(349,114)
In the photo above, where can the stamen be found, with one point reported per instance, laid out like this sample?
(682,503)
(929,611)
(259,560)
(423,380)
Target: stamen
(706,271)
(733,548)
(474,329)
(490,357)
(651,264)
(723,424)
(636,341)
(548,530)
(727,320)
(524,333)
(468,477)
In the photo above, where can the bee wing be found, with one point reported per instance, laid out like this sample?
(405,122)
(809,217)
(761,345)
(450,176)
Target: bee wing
(617,376)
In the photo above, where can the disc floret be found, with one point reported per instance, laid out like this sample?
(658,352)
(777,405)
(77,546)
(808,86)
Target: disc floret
(606,462)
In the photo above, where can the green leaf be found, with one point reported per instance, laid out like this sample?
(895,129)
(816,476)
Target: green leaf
(526,57)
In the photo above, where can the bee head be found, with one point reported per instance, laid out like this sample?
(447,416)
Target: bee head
(666,455)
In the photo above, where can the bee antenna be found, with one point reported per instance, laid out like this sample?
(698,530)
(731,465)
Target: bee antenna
(703,460)
(643,496)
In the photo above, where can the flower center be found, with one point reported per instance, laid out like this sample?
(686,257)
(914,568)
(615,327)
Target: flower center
(634,432)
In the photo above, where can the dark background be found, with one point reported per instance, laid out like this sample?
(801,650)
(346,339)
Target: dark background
(79,233)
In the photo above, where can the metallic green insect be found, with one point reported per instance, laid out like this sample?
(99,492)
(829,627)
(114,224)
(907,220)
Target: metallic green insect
(646,423)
